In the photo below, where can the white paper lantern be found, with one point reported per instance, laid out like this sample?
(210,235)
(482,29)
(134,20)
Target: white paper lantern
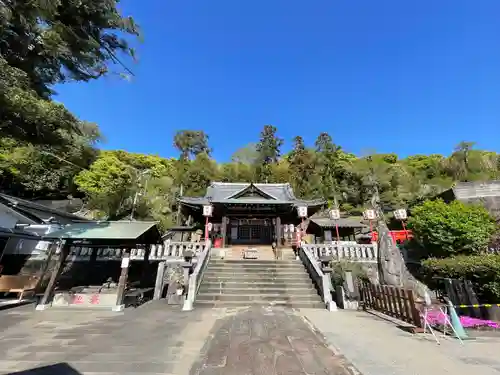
(207,210)
(334,214)
(302,211)
(400,214)
(369,215)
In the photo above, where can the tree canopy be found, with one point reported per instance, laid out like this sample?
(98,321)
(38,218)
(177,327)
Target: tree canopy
(444,230)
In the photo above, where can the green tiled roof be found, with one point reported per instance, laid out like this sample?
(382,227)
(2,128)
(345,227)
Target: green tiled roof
(104,230)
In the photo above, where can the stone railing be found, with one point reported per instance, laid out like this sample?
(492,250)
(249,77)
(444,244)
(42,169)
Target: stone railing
(167,251)
(320,280)
(367,253)
(196,277)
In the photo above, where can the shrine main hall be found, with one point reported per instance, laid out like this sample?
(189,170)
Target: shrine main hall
(250,213)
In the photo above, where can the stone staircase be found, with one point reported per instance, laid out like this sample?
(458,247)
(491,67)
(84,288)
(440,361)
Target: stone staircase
(235,283)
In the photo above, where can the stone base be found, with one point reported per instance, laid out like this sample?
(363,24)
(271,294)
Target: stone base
(118,308)
(42,307)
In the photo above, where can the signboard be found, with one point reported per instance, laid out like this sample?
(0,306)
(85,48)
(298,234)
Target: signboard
(285,228)
(291,228)
(207,210)
(302,210)
(125,262)
(400,214)
(210,226)
(334,214)
(369,215)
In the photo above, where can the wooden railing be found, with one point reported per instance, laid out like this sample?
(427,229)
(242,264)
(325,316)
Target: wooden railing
(196,277)
(167,251)
(320,280)
(389,300)
(367,253)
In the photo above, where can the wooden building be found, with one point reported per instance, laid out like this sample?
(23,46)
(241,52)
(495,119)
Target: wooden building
(324,229)
(248,213)
(484,193)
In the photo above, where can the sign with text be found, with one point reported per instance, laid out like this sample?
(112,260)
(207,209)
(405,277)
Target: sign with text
(334,214)
(302,211)
(207,210)
(400,214)
(369,215)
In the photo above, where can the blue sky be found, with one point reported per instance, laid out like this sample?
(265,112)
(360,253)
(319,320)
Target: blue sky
(385,76)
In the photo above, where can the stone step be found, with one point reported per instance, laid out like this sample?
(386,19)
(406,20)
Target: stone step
(282,303)
(257,297)
(256,278)
(253,261)
(252,290)
(270,273)
(237,266)
(257,284)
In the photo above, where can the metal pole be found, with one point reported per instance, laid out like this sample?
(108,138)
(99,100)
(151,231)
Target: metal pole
(404,228)
(206,228)
(337,230)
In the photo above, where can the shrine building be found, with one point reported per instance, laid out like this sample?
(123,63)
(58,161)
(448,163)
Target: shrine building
(250,213)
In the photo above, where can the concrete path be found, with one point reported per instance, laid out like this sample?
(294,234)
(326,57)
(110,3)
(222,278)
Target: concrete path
(158,339)
(377,347)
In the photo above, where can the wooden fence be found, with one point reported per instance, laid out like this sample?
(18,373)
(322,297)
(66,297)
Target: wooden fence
(396,302)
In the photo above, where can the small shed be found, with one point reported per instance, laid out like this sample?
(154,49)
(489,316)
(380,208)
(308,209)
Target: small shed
(484,193)
(324,228)
(118,238)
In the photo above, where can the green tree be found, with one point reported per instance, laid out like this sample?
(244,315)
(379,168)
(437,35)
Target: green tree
(444,230)
(268,152)
(302,167)
(109,185)
(190,143)
(63,40)
(199,174)
(34,171)
(44,43)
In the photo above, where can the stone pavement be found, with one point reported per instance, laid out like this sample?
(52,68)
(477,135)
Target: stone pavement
(159,339)
(377,347)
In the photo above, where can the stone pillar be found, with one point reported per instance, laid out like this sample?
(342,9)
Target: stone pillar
(63,250)
(159,281)
(145,265)
(224,230)
(122,282)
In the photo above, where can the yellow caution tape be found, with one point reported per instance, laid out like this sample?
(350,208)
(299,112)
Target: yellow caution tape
(480,305)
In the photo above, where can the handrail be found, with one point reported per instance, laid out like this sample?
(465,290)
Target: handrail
(319,278)
(364,253)
(196,277)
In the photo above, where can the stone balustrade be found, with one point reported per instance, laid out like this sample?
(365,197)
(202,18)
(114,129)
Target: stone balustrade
(367,253)
(168,251)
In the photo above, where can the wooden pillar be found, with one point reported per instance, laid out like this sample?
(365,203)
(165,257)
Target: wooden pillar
(224,230)
(145,265)
(122,282)
(63,249)
(278,231)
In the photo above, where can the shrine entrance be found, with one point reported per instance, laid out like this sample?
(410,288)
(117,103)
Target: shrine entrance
(250,231)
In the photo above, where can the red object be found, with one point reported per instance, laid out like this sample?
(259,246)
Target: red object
(94,299)
(218,242)
(298,237)
(397,235)
(337,230)
(206,229)
(77,299)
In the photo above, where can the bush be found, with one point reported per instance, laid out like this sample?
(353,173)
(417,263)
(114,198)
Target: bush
(451,229)
(482,270)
